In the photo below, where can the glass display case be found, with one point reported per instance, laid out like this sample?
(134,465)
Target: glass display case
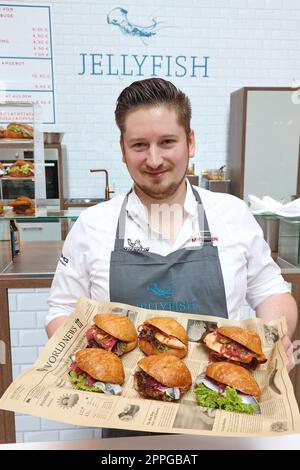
(289,240)
(270,227)
(22,181)
(283,236)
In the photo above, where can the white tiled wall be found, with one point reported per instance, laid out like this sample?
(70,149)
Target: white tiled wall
(249,43)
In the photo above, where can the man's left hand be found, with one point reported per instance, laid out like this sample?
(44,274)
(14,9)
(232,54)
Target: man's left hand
(288,347)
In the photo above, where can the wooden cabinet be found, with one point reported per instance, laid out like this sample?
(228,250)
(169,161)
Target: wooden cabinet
(263,146)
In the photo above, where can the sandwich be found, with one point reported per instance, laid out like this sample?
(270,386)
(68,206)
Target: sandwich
(1,208)
(21,169)
(160,334)
(229,387)
(2,170)
(2,132)
(162,377)
(235,344)
(112,332)
(18,130)
(96,370)
(23,206)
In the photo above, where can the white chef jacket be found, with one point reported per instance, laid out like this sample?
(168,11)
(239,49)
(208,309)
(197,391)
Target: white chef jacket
(249,272)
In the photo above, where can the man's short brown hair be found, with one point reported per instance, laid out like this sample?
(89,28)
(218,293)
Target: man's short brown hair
(153,92)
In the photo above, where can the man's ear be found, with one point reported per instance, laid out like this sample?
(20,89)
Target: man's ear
(191,143)
(122,149)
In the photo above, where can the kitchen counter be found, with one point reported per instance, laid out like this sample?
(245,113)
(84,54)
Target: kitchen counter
(182,442)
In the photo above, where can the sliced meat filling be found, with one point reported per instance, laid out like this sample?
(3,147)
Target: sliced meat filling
(228,348)
(148,387)
(98,338)
(158,339)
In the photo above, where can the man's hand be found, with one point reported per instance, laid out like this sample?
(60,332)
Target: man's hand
(54,324)
(279,305)
(288,347)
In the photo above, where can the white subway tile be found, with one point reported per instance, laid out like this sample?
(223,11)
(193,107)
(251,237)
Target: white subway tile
(14,338)
(22,319)
(24,367)
(12,300)
(42,290)
(16,371)
(40,318)
(21,291)
(38,301)
(19,437)
(49,425)
(43,436)
(81,433)
(27,423)
(98,433)
(24,355)
(33,337)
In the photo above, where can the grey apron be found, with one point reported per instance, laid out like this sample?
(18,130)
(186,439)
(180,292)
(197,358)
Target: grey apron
(187,280)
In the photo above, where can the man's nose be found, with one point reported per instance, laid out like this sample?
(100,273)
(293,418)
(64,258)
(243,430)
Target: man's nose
(154,157)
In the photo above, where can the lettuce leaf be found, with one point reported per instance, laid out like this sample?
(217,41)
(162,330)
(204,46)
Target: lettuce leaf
(229,402)
(79,383)
(14,128)
(25,169)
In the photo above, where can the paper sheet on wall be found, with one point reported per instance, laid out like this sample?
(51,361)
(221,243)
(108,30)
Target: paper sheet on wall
(26,60)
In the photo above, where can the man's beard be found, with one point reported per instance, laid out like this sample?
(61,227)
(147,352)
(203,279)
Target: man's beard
(158,192)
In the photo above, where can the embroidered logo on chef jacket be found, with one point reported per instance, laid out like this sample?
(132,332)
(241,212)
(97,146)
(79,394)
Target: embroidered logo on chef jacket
(205,237)
(154,289)
(135,246)
(63,260)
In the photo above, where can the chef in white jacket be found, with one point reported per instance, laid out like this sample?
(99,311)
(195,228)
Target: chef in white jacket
(165,244)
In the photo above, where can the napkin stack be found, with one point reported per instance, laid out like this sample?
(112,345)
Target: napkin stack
(268,205)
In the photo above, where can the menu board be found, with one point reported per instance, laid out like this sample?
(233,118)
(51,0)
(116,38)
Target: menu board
(26,60)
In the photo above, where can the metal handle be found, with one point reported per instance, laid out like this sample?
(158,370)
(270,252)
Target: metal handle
(112,190)
(31,229)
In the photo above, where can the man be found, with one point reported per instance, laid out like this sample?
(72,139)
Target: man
(168,245)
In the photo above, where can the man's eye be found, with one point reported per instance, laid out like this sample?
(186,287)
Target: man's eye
(168,141)
(138,145)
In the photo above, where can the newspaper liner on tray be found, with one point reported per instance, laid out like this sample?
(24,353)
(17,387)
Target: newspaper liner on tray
(46,391)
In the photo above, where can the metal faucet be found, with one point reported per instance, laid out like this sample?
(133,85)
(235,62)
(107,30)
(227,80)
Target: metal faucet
(107,190)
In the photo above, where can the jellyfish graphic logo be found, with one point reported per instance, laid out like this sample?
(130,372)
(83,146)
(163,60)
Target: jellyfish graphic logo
(118,17)
(154,289)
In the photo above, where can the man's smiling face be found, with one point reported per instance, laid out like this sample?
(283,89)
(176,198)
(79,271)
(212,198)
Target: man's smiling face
(156,150)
